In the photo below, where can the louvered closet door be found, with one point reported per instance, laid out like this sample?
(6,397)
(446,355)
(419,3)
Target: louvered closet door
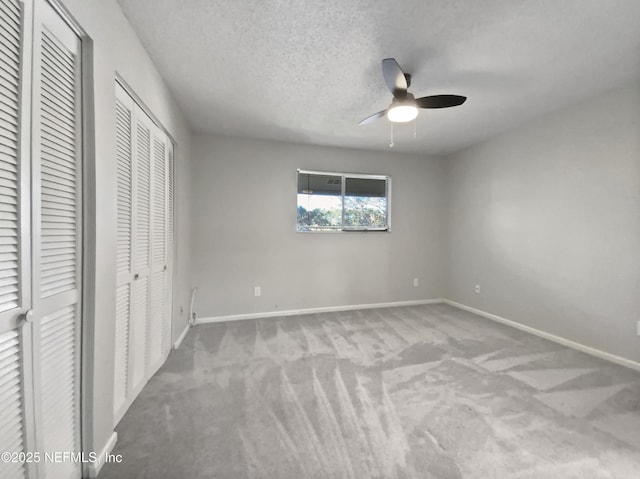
(16,409)
(144,249)
(159,266)
(57,237)
(169,233)
(141,250)
(124,278)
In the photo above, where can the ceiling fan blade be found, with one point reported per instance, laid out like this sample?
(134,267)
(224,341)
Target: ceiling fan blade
(394,77)
(440,101)
(372,118)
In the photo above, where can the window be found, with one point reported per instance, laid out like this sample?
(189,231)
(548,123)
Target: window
(343,201)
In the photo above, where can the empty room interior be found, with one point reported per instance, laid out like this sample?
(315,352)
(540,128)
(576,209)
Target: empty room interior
(268,239)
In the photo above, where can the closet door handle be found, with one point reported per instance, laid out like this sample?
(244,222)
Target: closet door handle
(165,268)
(136,276)
(25,318)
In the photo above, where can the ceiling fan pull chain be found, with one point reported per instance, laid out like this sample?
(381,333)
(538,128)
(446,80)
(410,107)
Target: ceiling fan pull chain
(391,141)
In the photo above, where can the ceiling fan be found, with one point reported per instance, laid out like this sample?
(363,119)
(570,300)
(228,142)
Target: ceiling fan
(404,106)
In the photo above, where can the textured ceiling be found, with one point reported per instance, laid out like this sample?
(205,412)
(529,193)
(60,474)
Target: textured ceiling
(308,71)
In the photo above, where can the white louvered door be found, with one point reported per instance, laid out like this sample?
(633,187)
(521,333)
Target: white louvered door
(16,394)
(40,239)
(144,155)
(124,278)
(159,266)
(57,234)
(169,232)
(141,250)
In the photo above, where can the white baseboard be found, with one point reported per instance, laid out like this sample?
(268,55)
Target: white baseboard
(551,337)
(183,335)
(94,467)
(328,309)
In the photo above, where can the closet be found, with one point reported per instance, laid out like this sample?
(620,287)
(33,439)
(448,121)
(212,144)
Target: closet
(144,249)
(40,240)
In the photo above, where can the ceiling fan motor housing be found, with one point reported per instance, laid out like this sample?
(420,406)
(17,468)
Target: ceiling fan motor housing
(407,76)
(407,100)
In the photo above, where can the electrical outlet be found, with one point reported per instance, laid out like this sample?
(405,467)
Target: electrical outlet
(477,289)
(638,328)
(416,282)
(257,291)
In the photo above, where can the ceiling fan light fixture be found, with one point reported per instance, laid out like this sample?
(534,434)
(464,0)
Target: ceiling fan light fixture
(402,113)
(404,106)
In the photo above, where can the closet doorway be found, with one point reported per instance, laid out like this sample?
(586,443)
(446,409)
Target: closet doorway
(145,255)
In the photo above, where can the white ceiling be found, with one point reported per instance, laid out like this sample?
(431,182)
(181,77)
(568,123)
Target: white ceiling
(308,71)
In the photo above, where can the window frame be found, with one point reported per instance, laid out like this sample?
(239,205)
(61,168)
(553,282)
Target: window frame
(344,176)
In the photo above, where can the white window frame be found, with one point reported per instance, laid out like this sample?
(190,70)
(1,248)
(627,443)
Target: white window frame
(344,176)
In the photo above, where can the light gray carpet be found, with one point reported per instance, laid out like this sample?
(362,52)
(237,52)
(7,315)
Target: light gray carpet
(412,392)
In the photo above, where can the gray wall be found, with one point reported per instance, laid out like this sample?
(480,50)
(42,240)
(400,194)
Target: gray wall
(244,219)
(547,220)
(117,49)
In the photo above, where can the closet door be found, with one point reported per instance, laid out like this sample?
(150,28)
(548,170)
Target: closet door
(135,156)
(159,266)
(141,249)
(169,234)
(57,234)
(124,270)
(16,407)
(144,249)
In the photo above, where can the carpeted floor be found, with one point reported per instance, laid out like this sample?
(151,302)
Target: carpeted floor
(412,392)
